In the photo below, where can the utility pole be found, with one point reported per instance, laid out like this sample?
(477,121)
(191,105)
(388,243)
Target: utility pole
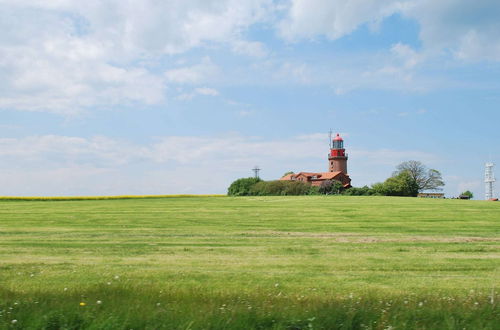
(256,171)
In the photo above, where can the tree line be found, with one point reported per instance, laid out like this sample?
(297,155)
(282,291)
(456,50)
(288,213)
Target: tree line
(408,179)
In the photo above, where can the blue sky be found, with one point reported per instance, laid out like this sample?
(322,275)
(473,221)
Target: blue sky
(157,97)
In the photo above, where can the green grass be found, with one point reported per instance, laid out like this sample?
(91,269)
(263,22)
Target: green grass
(250,262)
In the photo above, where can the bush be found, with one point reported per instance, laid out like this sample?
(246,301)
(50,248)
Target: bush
(313,190)
(242,187)
(468,193)
(403,184)
(280,188)
(363,191)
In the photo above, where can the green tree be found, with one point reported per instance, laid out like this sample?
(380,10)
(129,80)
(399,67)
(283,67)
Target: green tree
(402,184)
(426,179)
(289,172)
(326,187)
(242,187)
(331,187)
(468,193)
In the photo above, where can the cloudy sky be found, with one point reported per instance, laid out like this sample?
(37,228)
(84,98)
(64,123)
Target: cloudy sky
(105,97)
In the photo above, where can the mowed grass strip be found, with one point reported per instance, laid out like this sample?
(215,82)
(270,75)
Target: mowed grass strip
(250,262)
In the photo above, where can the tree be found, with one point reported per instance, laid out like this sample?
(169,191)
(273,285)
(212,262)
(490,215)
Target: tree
(402,184)
(426,179)
(326,187)
(329,187)
(242,187)
(468,193)
(289,172)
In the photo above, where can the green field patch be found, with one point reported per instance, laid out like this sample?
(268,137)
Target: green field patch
(258,262)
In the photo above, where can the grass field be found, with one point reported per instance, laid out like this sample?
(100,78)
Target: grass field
(250,262)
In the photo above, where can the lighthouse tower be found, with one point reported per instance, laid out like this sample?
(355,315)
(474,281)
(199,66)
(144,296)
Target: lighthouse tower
(337,158)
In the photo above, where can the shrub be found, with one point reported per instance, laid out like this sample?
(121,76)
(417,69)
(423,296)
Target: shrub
(468,193)
(363,191)
(242,187)
(313,190)
(403,184)
(280,188)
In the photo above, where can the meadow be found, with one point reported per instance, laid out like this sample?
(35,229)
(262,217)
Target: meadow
(306,262)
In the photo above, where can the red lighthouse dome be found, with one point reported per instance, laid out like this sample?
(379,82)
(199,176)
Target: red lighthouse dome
(338,138)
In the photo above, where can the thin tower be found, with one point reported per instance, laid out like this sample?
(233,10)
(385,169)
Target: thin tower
(256,171)
(337,158)
(489,179)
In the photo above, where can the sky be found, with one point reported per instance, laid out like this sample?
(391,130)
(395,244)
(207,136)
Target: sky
(123,97)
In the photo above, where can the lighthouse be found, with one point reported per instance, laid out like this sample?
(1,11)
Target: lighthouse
(337,159)
(337,167)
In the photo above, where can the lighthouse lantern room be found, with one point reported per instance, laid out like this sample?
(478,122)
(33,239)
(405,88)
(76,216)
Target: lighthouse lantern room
(338,158)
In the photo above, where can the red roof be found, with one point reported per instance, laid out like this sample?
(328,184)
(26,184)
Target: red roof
(319,176)
(288,177)
(338,138)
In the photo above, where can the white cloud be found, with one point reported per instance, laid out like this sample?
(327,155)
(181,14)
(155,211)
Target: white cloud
(468,29)
(65,56)
(407,55)
(207,91)
(296,72)
(250,48)
(333,18)
(64,165)
(393,157)
(245,113)
(195,74)
(204,91)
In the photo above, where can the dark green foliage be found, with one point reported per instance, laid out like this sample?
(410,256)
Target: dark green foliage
(242,187)
(314,190)
(179,309)
(337,187)
(402,184)
(363,191)
(280,188)
(468,194)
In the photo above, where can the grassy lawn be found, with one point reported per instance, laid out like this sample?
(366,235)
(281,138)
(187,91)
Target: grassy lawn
(250,262)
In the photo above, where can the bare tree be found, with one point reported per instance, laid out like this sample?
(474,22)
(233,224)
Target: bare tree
(426,179)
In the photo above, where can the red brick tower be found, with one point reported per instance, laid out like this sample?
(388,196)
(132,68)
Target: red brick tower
(338,158)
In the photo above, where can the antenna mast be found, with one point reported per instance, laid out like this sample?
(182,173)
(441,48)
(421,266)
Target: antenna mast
(489,179)
(330,138)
